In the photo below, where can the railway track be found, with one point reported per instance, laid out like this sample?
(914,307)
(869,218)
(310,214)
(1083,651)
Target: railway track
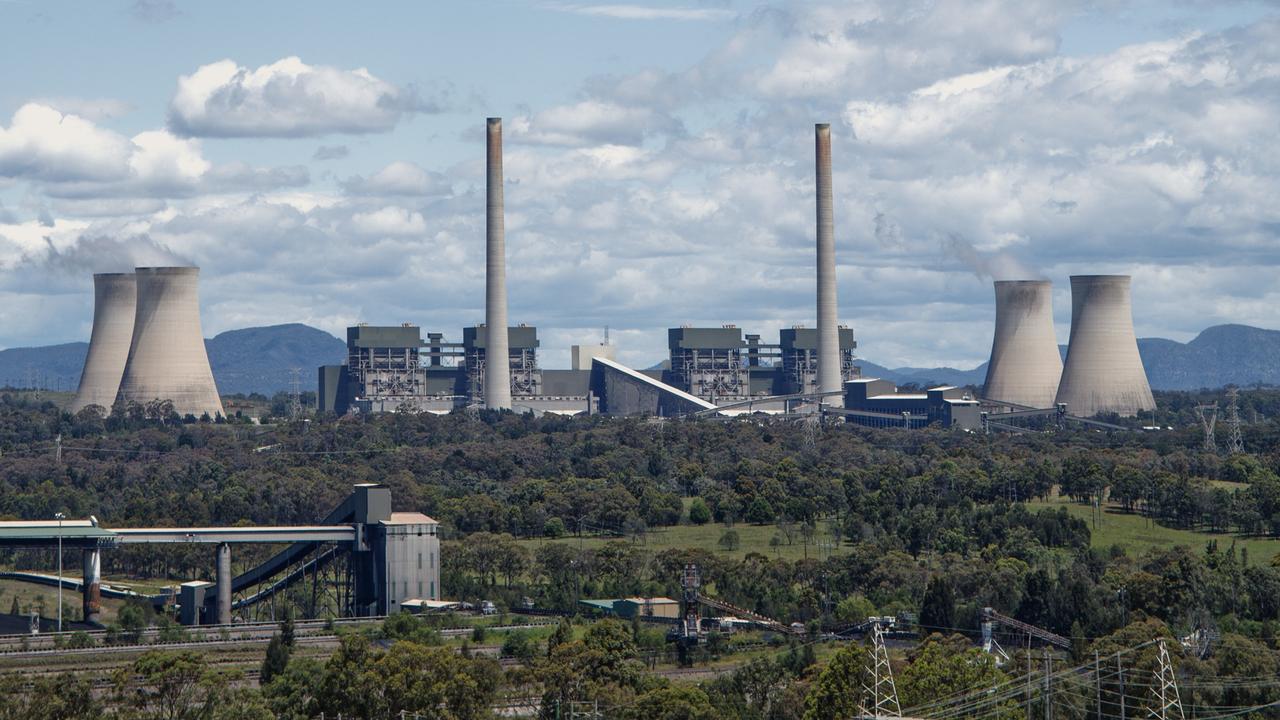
(211,636)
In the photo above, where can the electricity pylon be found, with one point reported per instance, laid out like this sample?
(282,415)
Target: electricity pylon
(882,692)
(1168,705)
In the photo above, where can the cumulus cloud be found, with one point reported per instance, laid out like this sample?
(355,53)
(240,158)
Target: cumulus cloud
(287,98)
(45,144)
(398,178)
(592,122)
(74,158)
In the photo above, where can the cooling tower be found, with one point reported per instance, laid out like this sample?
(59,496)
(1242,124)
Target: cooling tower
(830,378)
(497,372)
(114,296)
(1025,365)
(1103,372)
(167,359)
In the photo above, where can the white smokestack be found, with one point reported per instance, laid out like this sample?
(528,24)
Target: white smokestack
(1025,364)
(1104,371)
(830,376)
(497,376)
(167,359)
(114,304)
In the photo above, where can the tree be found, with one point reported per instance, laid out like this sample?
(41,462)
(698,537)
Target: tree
(942,667)
(276,659)
(680,702)
(179,686)
(760,512)
(938,610)
(839,690)
(699,513)
(729,540)
(854,608)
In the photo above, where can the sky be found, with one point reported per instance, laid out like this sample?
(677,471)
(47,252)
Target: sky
(323,163)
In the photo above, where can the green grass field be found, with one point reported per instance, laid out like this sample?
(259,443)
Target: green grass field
(1136,534)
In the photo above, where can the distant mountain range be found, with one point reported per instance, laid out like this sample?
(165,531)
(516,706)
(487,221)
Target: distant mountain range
(244,361)
(261,360)
(1221,355)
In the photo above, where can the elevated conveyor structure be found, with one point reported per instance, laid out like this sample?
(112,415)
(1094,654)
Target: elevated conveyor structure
(379,558)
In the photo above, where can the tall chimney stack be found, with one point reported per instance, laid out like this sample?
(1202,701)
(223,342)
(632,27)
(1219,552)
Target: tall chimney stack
(497,373)
(830,377)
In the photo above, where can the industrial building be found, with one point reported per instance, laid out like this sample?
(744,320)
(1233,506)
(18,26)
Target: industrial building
(368,559)
(147,345)
(390,368)
(722,365)
(878,403)
(1025,364)
(1103,372)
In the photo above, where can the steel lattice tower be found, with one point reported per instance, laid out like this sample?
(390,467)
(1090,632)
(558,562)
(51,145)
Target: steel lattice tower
(1235,443)
(1168,704)
(1208,419)
(882,692)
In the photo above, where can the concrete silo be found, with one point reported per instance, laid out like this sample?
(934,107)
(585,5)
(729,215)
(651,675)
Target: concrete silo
(1103,372)
(114,298)
(167,359)
(1025,365)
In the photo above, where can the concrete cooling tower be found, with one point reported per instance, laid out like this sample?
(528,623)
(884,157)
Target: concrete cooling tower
(114,296)
(1025,365)
(1104,372)
(167,359)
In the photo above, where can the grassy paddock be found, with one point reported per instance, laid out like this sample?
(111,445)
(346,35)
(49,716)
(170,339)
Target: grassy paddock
(1138,534)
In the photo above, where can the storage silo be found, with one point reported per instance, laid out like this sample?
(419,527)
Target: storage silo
(114,305)
(1025,364)
(167,358)
(1103,372)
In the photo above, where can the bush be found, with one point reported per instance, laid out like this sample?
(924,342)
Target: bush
(519,644)
(699,513)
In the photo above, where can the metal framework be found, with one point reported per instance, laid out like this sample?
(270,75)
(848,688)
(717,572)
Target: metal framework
(1168,703)
(710,372)
(1235,443)
(882,692)
(1208,419)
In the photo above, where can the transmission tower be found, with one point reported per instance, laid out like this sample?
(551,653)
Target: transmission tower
(295,392)
(1208,419)
(812,428)
(1168,705)
(1235,444)
(882,692)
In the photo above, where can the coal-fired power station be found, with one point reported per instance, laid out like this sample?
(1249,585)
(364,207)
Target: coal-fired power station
(1103,372)
(114,305)
(167,358)
(1025,364)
